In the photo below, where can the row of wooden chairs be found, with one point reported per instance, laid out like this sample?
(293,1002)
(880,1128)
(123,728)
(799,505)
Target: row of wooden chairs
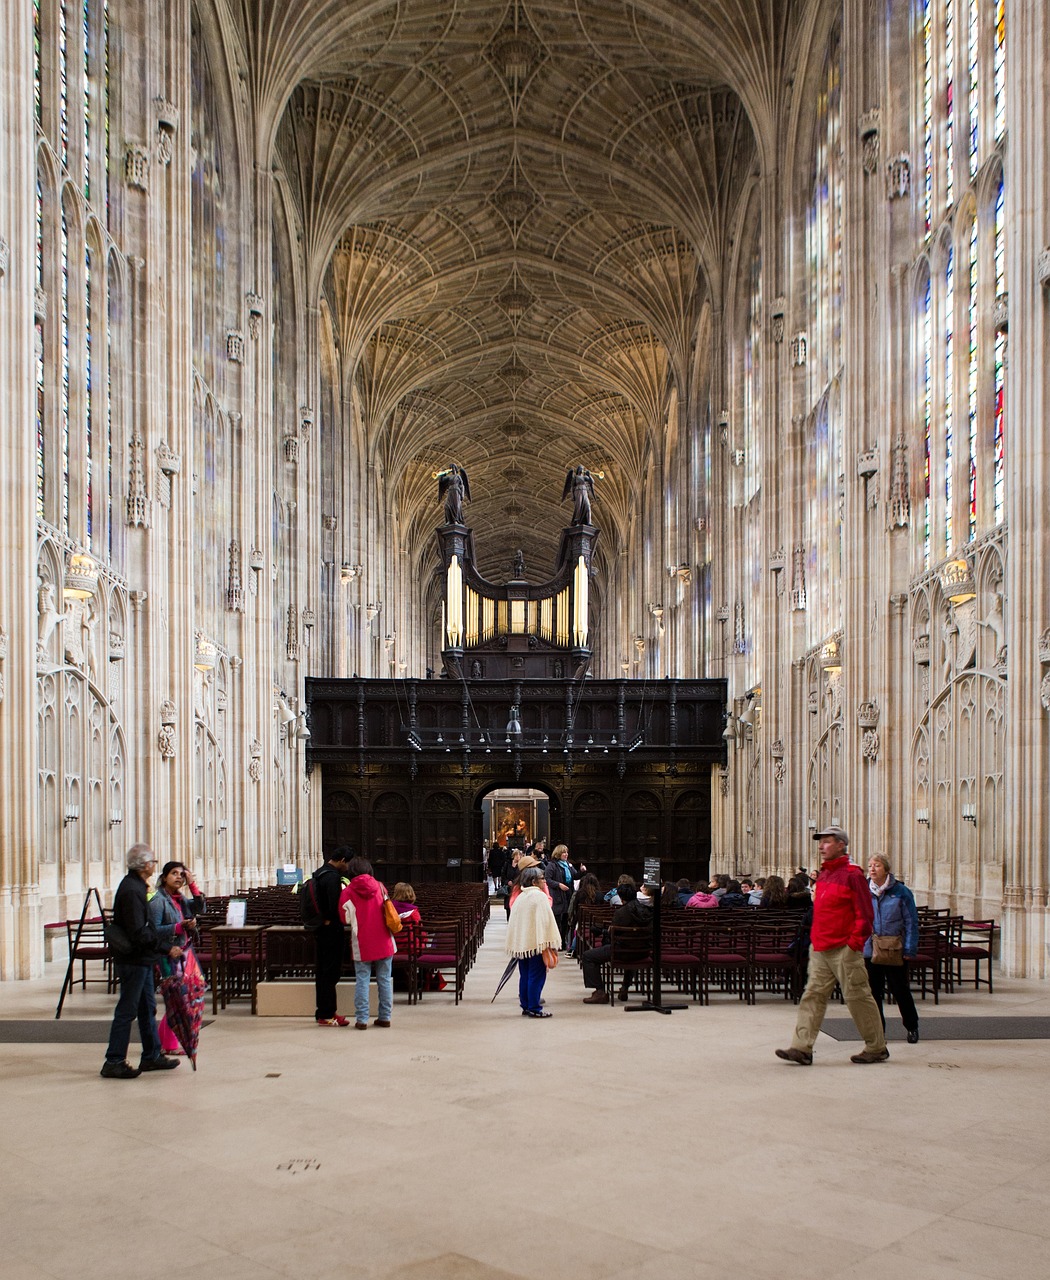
(947,942)
(741,951)
(705,952)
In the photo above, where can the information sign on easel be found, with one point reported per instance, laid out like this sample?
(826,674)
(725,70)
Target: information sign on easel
(651,878)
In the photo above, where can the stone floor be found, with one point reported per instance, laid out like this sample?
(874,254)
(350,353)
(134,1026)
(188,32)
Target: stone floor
(472,1143)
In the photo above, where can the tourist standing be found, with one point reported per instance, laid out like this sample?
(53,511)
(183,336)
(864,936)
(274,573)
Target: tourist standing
(531,931)
(371,941)
(330,936)
(136,945)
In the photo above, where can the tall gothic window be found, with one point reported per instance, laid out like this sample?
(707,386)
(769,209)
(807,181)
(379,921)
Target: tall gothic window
(949,398)
(74,463)
(753,381)
(959,113)
(971,389)
(998,457)
(927,419)
(824,351)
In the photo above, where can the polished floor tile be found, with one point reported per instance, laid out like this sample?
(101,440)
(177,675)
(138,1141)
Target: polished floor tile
(469,1143)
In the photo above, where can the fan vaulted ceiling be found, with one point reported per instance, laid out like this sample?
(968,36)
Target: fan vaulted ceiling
(516,213)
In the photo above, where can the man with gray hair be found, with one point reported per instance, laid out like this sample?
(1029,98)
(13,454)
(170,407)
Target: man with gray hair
(842,920)
(136,944)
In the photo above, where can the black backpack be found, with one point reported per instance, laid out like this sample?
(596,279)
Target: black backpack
(309,905)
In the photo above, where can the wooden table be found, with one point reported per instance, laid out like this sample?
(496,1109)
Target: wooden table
(228,942)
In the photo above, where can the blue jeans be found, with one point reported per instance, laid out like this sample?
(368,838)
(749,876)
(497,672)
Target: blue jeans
(532,974)
(384,970)
(138,999)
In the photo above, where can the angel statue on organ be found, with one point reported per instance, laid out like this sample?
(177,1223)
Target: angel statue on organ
(453,486)
(580,483)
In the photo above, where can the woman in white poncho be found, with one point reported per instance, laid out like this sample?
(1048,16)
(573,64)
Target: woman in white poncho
(531,931)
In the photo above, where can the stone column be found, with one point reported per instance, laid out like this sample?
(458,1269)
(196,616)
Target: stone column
(21,935)
(1027,604)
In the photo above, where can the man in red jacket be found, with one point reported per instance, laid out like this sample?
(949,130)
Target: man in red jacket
(842,920)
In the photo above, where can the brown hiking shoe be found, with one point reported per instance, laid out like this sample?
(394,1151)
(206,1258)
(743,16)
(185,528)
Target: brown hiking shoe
(597,997)
(868,1056)
(802,1056)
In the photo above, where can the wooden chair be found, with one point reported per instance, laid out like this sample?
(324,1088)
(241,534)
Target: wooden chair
(631,954)
(87,944)
(682,957)
(729,957)
(410,944)
(933,959)
(973,942)
(446,953)
(775,958)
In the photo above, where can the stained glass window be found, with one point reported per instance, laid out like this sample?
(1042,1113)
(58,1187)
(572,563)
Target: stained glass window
(999,68)
(753,381)
(41,470)
(927,111)
(63,85)
(87,99)
(37,99)
(998,457)
(974,84)
(927,415)
(971,385)
(88,398)
(949,398)
(949,101)
(105,97)
(64,353)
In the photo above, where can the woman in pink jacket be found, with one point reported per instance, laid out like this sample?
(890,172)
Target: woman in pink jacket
(372,943)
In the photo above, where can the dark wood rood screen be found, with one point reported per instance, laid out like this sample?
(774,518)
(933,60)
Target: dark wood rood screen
(626,765)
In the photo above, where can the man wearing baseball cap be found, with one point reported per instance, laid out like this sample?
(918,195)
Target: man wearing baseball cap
(842,921)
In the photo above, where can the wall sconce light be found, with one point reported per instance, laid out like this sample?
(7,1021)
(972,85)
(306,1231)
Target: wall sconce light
(639,644)
(302,729)
(203,654)
(923,816)
(625,664)
(285,714)
(349,572)
(831,657)
(957,581)
(372,609)
(81,577)
(969,813)
(72,814)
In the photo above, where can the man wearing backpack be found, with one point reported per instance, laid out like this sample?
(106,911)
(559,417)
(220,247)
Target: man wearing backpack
(320,906)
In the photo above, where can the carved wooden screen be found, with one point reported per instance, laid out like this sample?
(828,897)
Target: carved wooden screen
(391,839)
(642,826)
(442,829)
(342,821)
(590,839)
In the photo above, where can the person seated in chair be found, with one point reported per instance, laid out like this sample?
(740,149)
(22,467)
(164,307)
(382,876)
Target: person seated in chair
(636,914)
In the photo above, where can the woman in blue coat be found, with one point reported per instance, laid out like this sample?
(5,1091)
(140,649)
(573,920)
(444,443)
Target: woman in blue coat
(896,916)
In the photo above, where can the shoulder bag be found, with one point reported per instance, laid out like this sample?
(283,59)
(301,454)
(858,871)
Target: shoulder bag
(887,948)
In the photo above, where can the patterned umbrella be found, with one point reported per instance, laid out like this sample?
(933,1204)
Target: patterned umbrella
(183,990)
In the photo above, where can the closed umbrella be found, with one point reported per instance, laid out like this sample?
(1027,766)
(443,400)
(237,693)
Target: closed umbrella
(183,992)
(511,966)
